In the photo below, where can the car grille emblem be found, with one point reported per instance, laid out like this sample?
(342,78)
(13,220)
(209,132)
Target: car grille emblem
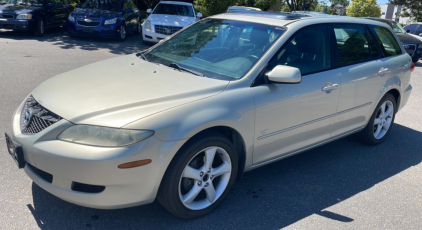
(27,117)
(87,20)
(168,30)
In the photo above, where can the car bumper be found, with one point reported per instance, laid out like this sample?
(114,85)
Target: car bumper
(151,36)
(106,31)
(24,25)
(69,164)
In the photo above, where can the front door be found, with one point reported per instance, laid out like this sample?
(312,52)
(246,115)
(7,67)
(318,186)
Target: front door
(289,117)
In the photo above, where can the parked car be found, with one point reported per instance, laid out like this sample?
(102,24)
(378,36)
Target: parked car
(242,8)
(34,15)
(107,19)
(182,120)
(167,18)
(412,45)
(414,28)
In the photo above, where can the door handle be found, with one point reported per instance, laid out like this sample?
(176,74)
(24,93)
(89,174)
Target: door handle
(383,71)
(330,87)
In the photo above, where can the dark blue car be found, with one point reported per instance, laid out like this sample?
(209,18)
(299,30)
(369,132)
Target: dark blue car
(107,18)
(34,15)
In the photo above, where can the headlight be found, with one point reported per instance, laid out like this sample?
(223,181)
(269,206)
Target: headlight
(71,18)
(103,136)
(147,25)
(24,16)
(110,21)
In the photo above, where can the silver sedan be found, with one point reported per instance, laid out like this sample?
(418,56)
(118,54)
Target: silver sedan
(182,120)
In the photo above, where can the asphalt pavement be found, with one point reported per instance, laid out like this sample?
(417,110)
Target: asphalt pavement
(342,185)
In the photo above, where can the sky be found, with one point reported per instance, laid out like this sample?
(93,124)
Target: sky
(380,2)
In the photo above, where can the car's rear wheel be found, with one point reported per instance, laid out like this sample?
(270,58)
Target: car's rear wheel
(122,32)
(199,177)
(40,30)
(381,121)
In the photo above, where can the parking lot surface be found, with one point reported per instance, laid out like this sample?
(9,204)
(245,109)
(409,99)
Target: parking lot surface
(341,185)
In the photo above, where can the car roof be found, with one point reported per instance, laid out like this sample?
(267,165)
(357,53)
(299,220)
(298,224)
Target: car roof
(379,19)
(176,3)
(286,19)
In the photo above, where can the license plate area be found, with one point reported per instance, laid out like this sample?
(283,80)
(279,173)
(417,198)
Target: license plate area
(15,151)
(87,29)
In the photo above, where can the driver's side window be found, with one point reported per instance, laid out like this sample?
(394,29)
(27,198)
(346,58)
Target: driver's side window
(308,50)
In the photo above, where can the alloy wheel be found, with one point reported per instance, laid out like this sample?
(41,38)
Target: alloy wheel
(42,26)
(122,32)
(383,119)
(205,178)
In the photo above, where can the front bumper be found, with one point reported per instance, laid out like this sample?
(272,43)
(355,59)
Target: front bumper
(151,36)
(105,31)
(24,25)
(70,163)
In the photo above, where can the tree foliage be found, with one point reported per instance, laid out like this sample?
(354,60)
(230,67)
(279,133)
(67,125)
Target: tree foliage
(364,8)
(345,3)
(305,5)
(211,7)
(413,7)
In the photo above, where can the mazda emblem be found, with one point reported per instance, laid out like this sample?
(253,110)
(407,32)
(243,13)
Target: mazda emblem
(27,118)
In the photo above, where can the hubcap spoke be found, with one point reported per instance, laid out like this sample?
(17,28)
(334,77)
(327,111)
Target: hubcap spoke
(192,194)
(383,109)
(377,121)
(379,128)
(387,124)
(209,158)
(389,112)
(220,170)
(192,173)
(211,193)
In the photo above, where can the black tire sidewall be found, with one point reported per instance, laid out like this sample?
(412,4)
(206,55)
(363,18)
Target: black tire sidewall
(186,154)
(38,31)
(368,131)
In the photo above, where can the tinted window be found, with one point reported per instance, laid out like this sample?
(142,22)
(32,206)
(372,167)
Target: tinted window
(352,45)
(411,27)
(112,5)
(174,9)
(418,30)
(308,50)
(388,42)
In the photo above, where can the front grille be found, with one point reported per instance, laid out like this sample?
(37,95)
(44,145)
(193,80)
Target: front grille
(8,16)
(87,188)
(35,118)
(45,175)
(166,30)
(92,23)
(409,47)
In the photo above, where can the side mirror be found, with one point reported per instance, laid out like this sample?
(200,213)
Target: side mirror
(420,35)
(199,15)
(129,10)
(284,74)
(78,5)
(149,11)
(407,31)
(51,5)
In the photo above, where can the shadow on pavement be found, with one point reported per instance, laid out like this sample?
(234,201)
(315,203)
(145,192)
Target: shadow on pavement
(59,37)
(271,197)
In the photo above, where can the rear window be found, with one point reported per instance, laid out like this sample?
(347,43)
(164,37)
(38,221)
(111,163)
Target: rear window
(388,42)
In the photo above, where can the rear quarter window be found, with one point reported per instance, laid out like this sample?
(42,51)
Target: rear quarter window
(386,39)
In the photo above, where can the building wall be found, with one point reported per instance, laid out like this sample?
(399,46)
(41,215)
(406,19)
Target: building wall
(389,11)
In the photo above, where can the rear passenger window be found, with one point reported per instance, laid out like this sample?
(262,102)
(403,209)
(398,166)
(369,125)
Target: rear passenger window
(309,51)
(353,45)
(388,42)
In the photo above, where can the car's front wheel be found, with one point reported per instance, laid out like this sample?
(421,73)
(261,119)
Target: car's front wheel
(122,32)
(381,121)
(40,29)
(199,176)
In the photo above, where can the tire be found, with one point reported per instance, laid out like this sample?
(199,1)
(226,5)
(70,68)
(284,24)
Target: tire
(138,29)
(177,183)
(374,134)
(40,30)
(123,33)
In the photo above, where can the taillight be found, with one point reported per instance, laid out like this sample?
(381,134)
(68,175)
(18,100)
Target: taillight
(412,67)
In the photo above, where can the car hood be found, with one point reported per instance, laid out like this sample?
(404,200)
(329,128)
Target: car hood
(17,9)
(170,20)
(118,91)
(409,39)
(416,37)
(93,13)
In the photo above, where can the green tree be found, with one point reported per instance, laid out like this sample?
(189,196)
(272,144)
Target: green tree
(345,3)
(364,8)
(413,7)
(262,4)
(211,7)
(305,5)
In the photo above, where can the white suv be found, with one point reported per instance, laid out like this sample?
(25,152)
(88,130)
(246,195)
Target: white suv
(166,19)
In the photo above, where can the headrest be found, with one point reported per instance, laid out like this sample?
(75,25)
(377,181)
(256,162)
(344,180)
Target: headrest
(259,37)
(309,42)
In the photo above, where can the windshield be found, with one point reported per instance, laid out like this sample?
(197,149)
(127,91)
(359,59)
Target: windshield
(27,2)
(217,48)
(173,9)
(111,5)
(397,28)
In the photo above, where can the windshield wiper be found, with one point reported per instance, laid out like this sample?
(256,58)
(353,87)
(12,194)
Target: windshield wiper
(143,56)
(178,67)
